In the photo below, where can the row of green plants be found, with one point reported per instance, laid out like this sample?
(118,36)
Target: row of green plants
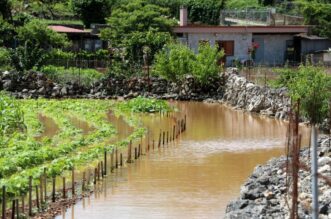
(28,157)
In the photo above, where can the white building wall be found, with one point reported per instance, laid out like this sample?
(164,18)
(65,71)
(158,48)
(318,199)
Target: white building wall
(242,41)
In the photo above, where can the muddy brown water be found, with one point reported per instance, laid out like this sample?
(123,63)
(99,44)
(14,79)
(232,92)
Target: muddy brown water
(50,128)
(194,177)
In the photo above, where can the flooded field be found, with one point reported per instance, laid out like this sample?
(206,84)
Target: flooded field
(193,177)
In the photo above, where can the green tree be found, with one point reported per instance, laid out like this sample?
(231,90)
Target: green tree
(6,33)
(317,13)
(174,61)
(5,10)
(92,11)
(35,40)
(206,64)
(136,25)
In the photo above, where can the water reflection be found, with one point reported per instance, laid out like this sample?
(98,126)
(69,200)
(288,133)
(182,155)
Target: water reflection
(195,177)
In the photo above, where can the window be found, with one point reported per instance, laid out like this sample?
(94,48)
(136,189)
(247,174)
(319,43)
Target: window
(228,47)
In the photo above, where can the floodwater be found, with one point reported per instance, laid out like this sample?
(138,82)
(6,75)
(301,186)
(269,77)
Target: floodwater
(50,128)
(193,177)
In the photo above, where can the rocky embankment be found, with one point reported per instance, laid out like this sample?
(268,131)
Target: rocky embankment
(264,195)
(35,84)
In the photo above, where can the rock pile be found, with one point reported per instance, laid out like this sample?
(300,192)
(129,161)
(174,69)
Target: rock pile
(243,94)
(264,193)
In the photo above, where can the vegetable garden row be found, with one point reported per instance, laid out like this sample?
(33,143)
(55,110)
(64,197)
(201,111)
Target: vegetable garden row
(30,167)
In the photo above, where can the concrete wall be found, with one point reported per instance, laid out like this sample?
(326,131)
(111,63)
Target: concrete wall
(272,48)
(242,41)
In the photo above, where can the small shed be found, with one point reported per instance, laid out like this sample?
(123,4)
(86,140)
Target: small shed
(81,39)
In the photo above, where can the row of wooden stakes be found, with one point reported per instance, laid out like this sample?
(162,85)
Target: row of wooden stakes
(100,172)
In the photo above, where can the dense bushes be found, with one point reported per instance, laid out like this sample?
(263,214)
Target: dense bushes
(176,60)
(64,75)
(4,58)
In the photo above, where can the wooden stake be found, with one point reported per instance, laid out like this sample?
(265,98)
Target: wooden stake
(3,202)
(30,196)
(163,138)
(116,158)
(153,144)
(174,133)
(95,175)
(13,211)
(45,184)
(129,160)
(98,169)
(83,182)
(17,209)
(101,169)
(64,187)
(73,180)
(53,189)
(41,189)
(139,148)
(105,162)
(121,160)
(167,137)
(23,205)
(37,198)
(112,161)
(159,139)
(135,153)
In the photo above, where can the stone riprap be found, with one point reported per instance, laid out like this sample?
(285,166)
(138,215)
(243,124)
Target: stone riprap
(264,195)
(242,94)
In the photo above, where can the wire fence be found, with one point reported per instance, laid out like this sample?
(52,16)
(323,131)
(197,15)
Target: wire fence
(80,63)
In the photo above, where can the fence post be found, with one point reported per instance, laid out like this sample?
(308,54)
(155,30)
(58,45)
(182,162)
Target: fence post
(129,160)
(73,180)
(13,209)
(37,198)
(105,155)
(41,189)
(121,159)
(53,189)
(45,184)
(116,158)
(30,195)
(3,202)
(64,187)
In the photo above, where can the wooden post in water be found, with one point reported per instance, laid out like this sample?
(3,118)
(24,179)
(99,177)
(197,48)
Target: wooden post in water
(18,209)
(45,184)
(98,169)
(53,189)
(23,205)
(64,187)
(121,159)
(41,189)
(30,195)
(73,180)
(101,168)
(174,133)
(105,158)
(185,123)
(83,181)
(13,209)
(95,176)
(129,159)
(159,140)
(37,198)
(112,161)
(153,144)
(116,158)
(3,202)
(167,137)
(163,139)
(135,153)
(139,148)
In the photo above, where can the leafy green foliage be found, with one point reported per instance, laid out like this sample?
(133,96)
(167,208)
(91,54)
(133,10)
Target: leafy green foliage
(311,86)
(174,62)
(241,4)
(92,11)
(11,116)
(144,105)
(136,25)
(4,58)
(205,65)
(317,13)
(6,33)
(42,36)
(177,60)
(64,75)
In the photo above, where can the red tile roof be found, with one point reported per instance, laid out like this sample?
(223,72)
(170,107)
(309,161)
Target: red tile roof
(64,29)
